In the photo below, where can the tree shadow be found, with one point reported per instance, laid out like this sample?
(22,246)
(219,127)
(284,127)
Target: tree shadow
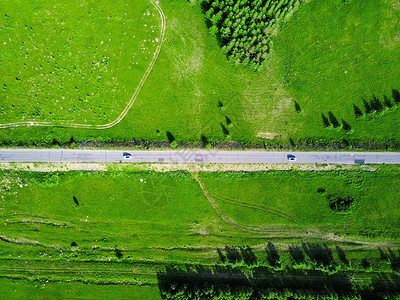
(376,104)
(325,121)
(394,259)
(342,256)
(248,256)
(387,102)
(396,96)
(382,254)
(75,201)
(170,137)
(386,283)
(365,263)
(225,130)
(333,120)
(233,255)
(291,142)
(228,121)
(297,107)
(367,107)
(71,141)
(346,126)
(118,253)
(55,143)
(222,257)
(273,257)
(204,140)
(221,107)
(297,254)
(321,256)
(357,111)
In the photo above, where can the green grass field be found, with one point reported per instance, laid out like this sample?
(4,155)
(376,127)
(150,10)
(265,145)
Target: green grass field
(194,90)
(298,197)
(343,54)
(21,289)
(73,62)
(123,228)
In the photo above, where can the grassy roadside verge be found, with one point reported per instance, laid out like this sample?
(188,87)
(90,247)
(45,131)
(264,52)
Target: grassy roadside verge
(129,226)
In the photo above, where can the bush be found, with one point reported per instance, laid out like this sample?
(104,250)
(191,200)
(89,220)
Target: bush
(341,204)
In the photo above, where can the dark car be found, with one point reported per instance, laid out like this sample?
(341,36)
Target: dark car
(127,155)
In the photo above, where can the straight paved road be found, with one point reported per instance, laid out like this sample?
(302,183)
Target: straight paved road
(201,156)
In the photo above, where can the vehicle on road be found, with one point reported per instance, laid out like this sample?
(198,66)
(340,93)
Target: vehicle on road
(291,157)
(127,155)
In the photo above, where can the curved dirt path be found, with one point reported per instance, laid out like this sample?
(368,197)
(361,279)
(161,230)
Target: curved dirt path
(128,106)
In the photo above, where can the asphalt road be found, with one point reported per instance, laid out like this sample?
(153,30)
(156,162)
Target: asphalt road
(200,156)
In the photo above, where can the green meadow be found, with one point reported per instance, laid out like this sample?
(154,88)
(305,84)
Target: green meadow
(124,229)
(311,86)
(74,62)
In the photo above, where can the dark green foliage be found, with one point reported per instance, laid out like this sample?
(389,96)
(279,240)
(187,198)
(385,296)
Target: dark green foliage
(340,204)
(244,28)
(204,140)
(118,253)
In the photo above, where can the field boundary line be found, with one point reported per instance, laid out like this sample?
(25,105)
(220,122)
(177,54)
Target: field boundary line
(127,107)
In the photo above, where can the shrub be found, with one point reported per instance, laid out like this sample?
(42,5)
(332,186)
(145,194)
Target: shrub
(341,204)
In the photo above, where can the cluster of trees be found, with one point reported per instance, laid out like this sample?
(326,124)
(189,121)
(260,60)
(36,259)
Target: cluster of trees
(333,121)
(243,27)
(374,105)
(209,290)
(242,276)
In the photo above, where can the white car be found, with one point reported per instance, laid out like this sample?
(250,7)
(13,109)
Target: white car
(127,155)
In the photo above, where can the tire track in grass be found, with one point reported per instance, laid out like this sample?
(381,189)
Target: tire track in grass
(230,221)
(127,107)
(257,207)
(288,232)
